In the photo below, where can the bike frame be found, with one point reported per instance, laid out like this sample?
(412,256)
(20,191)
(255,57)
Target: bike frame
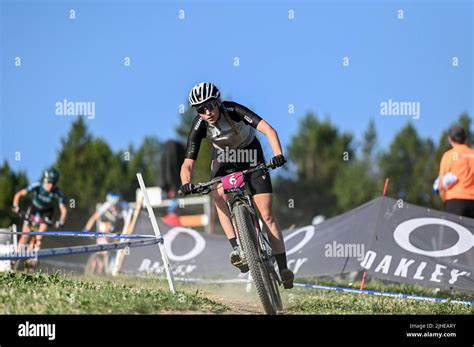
(235,186)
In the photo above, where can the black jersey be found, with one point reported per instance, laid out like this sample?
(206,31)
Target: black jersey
(222,134)
(44,200)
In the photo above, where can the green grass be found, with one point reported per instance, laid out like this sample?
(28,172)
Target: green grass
(317,301)
(22,293)
(381,286)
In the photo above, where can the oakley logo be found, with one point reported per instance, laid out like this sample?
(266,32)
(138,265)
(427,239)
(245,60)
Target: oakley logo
(199,243)
(308,233)
(149,266)
(403,231)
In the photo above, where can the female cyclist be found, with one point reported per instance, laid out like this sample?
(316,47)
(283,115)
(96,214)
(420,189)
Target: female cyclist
(231,129)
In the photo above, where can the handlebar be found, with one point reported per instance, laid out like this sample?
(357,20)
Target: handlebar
(21,214)
(24,215)
(205,188)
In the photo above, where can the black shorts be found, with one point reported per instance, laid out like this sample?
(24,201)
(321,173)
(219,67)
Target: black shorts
(47,215)
(226,162)
(460,207)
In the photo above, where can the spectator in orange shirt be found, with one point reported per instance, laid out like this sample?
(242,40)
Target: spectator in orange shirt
(456,175)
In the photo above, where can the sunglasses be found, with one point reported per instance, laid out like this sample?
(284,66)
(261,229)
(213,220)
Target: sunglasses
(208,106)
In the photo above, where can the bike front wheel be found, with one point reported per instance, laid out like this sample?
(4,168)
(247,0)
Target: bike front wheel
(264,279)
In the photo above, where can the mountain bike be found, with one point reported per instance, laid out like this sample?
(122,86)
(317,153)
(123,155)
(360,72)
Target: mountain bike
(254,243)
(34,221)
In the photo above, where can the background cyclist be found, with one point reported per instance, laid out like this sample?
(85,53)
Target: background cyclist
(109,214)
(46,195)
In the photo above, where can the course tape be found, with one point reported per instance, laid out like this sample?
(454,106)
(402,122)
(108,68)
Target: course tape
(79,249)
(79,234)
(373,292)
(340,289)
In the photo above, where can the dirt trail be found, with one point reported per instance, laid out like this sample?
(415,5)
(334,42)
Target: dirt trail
(235,297)
(237,306)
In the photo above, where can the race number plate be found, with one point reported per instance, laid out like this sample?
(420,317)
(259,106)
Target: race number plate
(233,182)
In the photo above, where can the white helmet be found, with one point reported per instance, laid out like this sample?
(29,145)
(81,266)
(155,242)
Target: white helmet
(202,92)
(113,198)
(318,220)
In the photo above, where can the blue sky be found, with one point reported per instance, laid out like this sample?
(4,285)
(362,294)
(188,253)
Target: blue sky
(282,61)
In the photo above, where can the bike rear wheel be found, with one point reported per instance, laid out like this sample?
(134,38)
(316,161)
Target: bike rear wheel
(264,279)
(96,265)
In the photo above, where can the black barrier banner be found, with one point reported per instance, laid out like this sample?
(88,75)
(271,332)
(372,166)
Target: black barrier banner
(389,239)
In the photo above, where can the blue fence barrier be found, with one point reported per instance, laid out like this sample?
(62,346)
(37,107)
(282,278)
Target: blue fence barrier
(79,234)
(79,249)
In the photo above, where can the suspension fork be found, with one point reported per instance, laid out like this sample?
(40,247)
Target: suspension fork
(244,199)
(260,239)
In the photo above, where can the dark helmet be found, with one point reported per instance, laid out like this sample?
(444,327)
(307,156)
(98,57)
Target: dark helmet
(203,92)
(52,175)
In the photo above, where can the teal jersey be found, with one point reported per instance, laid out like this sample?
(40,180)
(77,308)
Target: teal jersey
(43,199)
